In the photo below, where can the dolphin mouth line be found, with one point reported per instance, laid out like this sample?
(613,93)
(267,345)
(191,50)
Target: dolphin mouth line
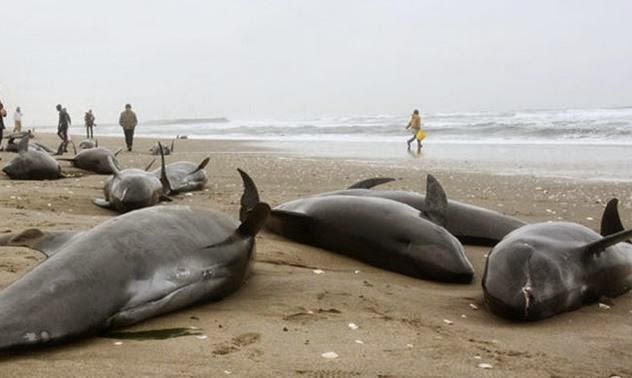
(527,290)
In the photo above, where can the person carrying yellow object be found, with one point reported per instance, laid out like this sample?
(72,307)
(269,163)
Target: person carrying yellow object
(415,126)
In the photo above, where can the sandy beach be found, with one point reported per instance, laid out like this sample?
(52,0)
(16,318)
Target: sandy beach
(287,316)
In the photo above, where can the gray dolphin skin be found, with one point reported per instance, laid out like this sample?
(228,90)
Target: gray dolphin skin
(185,176)
(544,269)
(380,232)
(32,164)
(130,268)
(470,224)
(95,160)
(132,189)
(167,150)
(88,143)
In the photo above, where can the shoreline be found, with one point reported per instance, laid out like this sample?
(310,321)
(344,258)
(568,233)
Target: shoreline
(286,316)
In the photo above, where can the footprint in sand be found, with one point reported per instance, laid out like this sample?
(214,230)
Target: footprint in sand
(237,343)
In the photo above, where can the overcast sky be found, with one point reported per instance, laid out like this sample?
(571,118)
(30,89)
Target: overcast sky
(280,59)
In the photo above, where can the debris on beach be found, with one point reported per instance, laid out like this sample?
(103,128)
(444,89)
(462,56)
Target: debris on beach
(117,343)
(473,306)
(590,218)
(227,372)
(359,342)
(353,326)
(463,316)
(329,355)
(484,365)
(318,271)
(409,345)
(478,357)
(604,306)
(448,322)
(356,271)
(201,337)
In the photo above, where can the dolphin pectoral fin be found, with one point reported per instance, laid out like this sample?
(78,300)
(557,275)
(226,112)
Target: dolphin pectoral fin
(250,197)
(102,203)
(601,244)
(436,205)
(113,166)
(370,183)
(255,219)
(47,243)
(23,146)
(201,166)
(610,220)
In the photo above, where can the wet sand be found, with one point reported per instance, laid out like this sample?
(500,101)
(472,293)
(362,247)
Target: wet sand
(287,316)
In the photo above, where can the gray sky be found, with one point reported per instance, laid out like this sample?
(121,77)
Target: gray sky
(247,59)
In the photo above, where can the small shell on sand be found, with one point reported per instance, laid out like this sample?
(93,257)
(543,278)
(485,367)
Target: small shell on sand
(318,271)
(448,322)
(329,355)
(483,365)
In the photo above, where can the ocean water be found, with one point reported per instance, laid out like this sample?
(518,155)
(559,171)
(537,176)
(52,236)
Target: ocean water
(592,144)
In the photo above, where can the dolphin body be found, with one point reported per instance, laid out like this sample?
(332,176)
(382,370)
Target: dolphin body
(132,189)
(544,269)
(167,150)
(95,160)
(185,176)
(380,232)
(470,224)
(32,164)
(130,268)
(86,144)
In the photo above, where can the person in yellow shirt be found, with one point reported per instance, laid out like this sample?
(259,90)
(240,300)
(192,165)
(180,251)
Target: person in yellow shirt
(415,126)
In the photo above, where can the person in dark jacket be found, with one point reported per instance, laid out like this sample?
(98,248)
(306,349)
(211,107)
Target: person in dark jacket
(89,121)
(3,113)
(128,122)
(62,128)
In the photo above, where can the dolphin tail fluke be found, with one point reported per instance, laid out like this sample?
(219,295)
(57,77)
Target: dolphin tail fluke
(610,220)
(151,163)
(255,219)
(436,205)
(610,240)
(370,183)
(102,203)
(164,180)
(250,197)
(47,243)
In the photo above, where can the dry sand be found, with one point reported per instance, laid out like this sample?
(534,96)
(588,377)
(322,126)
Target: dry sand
(286,315)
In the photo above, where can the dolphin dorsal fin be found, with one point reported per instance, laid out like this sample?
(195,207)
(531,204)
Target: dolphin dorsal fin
(255,219)
(150,164)
(607,241)
(113,166)
(96,143)
(610,220)
(164,180)
(436,204)
(201,166)
(173,142)
(250,197)
(23,146)
(370,183)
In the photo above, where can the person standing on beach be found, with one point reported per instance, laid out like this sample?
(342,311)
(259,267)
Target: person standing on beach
(17,120)
(3,113)
(128,122)
(415,126)
(62,128)
(89,121)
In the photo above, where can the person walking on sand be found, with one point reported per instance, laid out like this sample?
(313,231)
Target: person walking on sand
(62,128)
(89,121)
(128,122)
(17,120)
(415,126)
(3,113)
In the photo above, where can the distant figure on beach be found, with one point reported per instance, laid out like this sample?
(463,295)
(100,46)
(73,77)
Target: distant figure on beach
(3,113)
(17,120)
(128,122)
(415,126)
(89,121)
(62,128)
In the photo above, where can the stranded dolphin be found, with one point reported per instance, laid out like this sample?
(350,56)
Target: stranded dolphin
(130,268)
(380,232)
(470,224)
(32,164)
(88,143)
(185,176)
(132,189)
(544,269)
(167,150)
(95,160)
